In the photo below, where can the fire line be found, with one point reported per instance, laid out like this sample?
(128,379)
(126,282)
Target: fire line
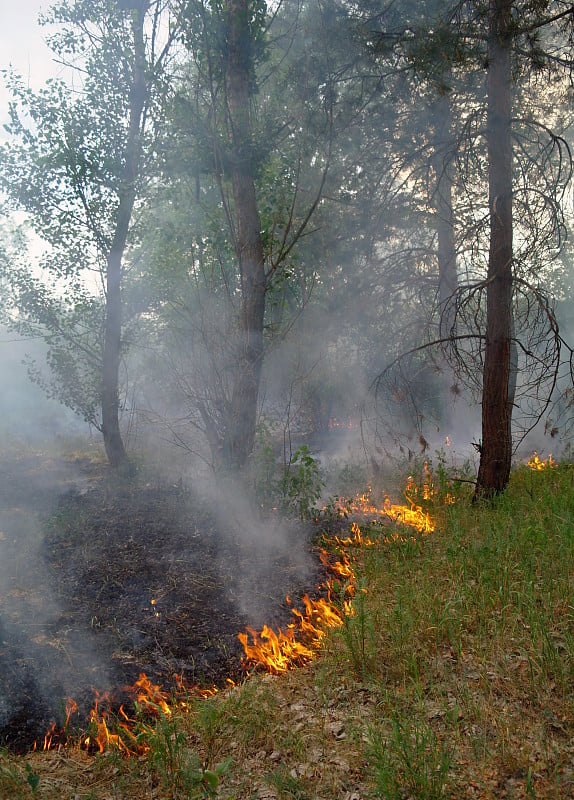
(274,652)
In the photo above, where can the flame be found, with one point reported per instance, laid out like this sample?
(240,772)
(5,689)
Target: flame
(278,652)
(120,731)
(275,652)
(536,463)
(338,422)
(49,737)
(150,696)
(284,650)
(357,538)
(410,514)
(53,736)
(341,568)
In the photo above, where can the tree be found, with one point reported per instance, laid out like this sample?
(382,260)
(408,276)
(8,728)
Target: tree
(248,172)
(75,164)
(497,399)
(501,325)
(247,239)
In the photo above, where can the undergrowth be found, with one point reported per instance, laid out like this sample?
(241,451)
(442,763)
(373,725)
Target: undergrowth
(451,679)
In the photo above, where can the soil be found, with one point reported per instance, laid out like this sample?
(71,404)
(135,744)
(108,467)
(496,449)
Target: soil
(99,583)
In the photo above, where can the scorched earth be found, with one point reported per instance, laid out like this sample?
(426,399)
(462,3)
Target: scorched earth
(99,583)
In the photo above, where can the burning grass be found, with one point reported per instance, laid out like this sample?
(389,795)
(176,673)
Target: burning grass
(451,677)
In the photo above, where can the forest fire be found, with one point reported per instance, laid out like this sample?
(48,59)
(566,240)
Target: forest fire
(279,652)
(125,721)
(536,463)
(119,730)
(282,651)
(409,514)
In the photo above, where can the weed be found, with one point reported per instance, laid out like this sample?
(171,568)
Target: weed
(32,779)
(10,779)
(176,765)
(294,486)
(412,762)
(465,637)
(358,632)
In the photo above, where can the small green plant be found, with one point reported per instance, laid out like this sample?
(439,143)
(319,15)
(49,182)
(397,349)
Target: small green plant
(32,779)
(357,632)
(178,767)
(302,483)
(412,762)
(263,468)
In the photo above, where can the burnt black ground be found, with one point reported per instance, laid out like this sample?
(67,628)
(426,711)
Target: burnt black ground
(99,583)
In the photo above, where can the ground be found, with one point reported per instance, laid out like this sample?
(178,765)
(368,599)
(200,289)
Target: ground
(101,580)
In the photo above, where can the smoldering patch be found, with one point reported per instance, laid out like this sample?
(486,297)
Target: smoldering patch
(118,581)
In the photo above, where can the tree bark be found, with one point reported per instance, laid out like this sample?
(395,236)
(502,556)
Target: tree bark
(239,435)
(113,442)
(497,399)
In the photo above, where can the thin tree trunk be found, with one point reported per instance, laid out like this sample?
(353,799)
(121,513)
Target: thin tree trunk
(446,250)
(496,447)
(113,442)
(448,277)
(239,435)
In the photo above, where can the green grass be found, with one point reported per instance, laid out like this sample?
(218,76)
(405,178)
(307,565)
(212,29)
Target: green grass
(453,679)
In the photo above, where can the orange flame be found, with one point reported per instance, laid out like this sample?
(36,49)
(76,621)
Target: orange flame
(150,700)
(411,514)
(53,736)
(284,650)
(275,652)
(278,652)
(536,463)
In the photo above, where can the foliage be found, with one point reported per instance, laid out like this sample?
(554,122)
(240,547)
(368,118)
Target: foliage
(358,631)
(74,164)
(364,122)
(293,486)
(177,766)
(302,483)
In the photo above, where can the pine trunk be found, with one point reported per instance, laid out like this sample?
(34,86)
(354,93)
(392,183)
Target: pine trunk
(497,399)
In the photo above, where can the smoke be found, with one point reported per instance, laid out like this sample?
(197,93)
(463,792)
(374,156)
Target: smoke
(41,662)
(27,417)
(261,556)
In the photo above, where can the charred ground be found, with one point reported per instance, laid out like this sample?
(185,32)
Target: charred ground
(99,583)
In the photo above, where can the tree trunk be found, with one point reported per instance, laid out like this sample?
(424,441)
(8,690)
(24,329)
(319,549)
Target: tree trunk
(113,442)
(239,435)
(448,277)
(496,448)
(446,249)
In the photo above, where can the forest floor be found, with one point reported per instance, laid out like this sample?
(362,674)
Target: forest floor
(449,677)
